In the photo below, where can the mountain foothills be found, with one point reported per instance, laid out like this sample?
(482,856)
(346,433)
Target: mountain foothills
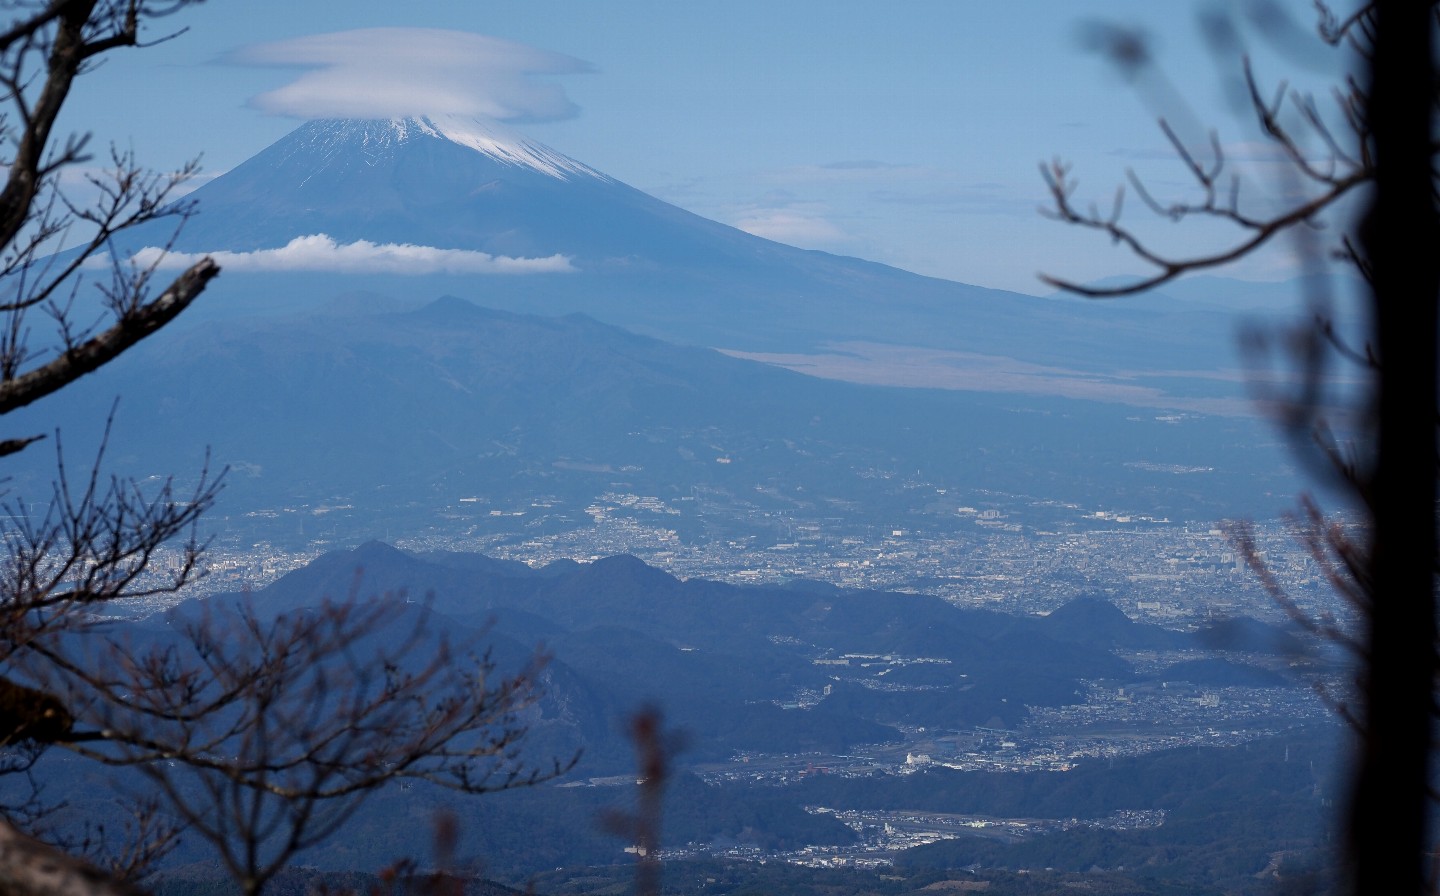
(724,658)
(767,683)
(398,417)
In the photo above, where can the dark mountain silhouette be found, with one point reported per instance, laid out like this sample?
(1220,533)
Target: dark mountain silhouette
(735,669)
(723,657)
(725,660)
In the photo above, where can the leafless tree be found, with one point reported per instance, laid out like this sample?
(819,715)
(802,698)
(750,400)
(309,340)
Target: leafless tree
(97,540)
(260,735)
(265,736)
(1376,142)
(99,536)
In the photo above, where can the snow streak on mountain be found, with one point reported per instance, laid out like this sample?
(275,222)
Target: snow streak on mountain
(380,140)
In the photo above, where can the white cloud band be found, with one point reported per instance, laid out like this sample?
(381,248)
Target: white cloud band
(785,225)
(319,252)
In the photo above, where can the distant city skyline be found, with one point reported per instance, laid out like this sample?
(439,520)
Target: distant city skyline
(907,136)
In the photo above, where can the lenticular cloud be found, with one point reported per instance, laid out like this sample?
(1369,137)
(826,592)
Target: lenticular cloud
(319,252)
(400,72)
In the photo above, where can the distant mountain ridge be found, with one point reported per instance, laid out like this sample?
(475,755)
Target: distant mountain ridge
(722,658)
(735,669)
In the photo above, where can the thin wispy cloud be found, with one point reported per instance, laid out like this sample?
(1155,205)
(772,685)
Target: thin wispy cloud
(862,165)
(788,225)
(872,182)
(319,252)
(400,72)
(991,198)
(854,171)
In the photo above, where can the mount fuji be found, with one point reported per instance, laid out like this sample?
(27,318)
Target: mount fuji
(417,208)
(551,336)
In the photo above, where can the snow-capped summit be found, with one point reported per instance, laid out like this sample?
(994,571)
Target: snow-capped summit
(497,141)
(446,181)
(381,138)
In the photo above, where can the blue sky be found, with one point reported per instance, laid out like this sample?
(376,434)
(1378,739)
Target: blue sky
(907,133)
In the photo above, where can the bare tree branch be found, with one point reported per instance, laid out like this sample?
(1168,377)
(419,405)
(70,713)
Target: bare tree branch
(105,347)
(1057,179)
(287,726)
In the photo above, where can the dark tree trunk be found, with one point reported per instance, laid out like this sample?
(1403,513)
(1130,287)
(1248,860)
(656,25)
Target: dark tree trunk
(1389,837)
